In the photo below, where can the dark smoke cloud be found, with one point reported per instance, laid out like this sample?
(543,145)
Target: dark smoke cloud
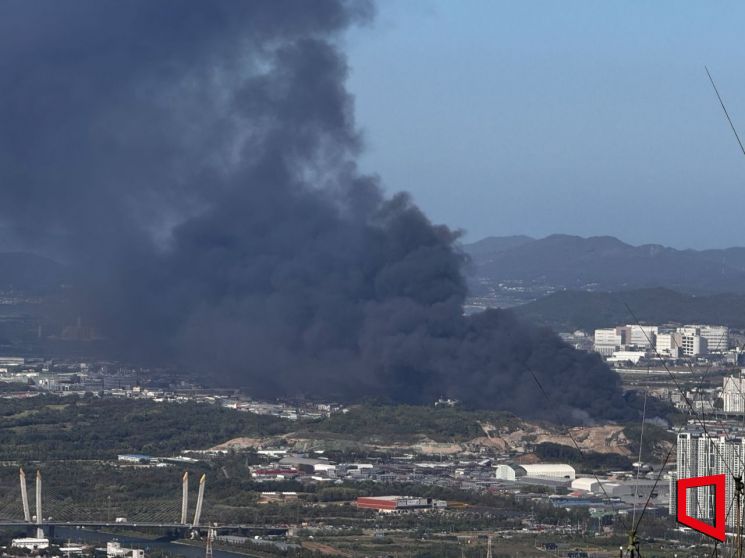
(196,162)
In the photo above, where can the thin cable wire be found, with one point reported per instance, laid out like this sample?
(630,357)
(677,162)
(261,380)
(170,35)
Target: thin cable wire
(576,445)
(654,487)
(677,385)
(724,108)
(641,445)
(695,414)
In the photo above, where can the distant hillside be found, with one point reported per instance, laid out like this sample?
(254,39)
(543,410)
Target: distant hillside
(23,271)
(570,310)
(494,244)
(601,263)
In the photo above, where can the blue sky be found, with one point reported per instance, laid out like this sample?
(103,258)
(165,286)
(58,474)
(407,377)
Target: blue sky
(579,117)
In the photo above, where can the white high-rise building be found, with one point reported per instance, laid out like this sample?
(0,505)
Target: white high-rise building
(733,394)
(669,344)
(717,336)
(609,340)
(700,455)
(693,345)
(642,336)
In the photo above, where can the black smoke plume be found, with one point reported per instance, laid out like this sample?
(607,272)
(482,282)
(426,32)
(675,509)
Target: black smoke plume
(195,161)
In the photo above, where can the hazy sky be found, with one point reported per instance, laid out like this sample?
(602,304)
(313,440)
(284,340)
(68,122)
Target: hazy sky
(536,117)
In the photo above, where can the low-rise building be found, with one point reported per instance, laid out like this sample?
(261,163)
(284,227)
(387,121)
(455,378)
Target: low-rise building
(274,474)
(115,549)
(552,471)
(30,543)
(399,503)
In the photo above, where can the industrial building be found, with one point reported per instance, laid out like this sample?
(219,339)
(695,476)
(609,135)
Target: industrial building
(135,458)
(673,342)
(629,491)
(586,484)
(669,344)
(307,464)
(399,503)
(30,543)
(553,471)
(274,474)
(716,336)
(114,549)
(609,340)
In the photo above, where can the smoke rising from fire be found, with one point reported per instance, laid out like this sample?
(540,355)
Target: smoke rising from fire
(195,161)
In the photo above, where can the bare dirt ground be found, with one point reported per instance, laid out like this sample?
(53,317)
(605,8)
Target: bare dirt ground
(600,439)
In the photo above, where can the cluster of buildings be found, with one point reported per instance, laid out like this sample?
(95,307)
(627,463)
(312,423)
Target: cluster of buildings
(717,449)
(700,454)
(635,342)
(558,482)
(614,491)
(108,380)
(723,401)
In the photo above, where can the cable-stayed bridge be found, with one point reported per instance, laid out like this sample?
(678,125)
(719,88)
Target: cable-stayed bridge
(34,504)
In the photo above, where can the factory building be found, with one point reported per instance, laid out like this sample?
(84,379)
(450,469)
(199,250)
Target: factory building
(627,356)
(261,474)
(689,340)
(505,472)
(641,336)
(134,458)
(609,340)
(716,336)
(553,471)
(586,484)
(30,543)
(399,503)
(115,549)
(669,344)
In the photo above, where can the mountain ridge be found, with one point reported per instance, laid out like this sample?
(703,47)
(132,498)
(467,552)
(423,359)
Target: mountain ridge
(572,310)
(602,263)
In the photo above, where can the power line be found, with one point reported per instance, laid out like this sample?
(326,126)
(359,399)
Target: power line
(724,108)
(576,445)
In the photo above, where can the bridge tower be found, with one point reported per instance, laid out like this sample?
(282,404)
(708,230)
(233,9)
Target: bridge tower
(39,516)
(200,501)
(24,496)
(184,497)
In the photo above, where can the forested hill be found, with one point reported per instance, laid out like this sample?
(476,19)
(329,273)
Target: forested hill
(603,263)
(570,310)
